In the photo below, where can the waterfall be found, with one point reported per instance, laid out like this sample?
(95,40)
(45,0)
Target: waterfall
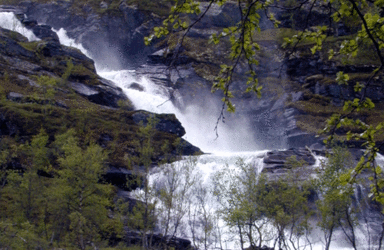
(233,144)
(199,122)
(9,21)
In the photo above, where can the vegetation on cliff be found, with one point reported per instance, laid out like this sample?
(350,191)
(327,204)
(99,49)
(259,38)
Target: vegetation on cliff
(58,100)
(62,128)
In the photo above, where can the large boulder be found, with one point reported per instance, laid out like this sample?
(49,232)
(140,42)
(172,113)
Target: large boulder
(276,162)
(165,122)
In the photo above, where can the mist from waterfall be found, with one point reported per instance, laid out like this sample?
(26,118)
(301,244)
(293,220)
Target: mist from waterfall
(198,121)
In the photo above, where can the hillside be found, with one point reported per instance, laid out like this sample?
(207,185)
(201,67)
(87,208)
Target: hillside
(71,131)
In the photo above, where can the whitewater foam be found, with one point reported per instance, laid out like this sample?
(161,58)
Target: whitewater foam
(9,21)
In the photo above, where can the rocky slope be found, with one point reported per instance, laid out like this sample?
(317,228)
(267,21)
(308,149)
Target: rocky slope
(54,87)
(299,92)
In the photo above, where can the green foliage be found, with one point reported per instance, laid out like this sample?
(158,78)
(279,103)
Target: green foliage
(56,199)
(335,206)
(67,73)
(249,200)
(142,216)
(125,104)
(241,37)
(86,200)
(237,191)
(47,85)
(361,15)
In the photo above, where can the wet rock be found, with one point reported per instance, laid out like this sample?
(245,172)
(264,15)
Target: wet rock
(136,86)
(83,89)
(15,9)
(165,122)
(45,32)
(29,24)
(106,94)
(279,158)
(319,149)
(298,138)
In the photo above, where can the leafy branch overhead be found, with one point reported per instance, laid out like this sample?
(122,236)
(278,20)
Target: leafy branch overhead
(363,16)
(241,37)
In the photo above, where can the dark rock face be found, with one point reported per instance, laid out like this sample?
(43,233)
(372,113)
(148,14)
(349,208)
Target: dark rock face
(120,177)
(165,122)
(19,11)
(44,32)
(136,86)
(100,94)
(312,72)
(10,46)
(166,58)
(7,127)
(120,35)
(187,148)
(169,124)
(276,165)
(277,159)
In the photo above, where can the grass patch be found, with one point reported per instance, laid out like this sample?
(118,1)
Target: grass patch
(90,124)
(31,46)
(310,123)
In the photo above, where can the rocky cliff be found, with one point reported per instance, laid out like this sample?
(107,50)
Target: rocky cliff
(299,91)
(299,94)
(54,87)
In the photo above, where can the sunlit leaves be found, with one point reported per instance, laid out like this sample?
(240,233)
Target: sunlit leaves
(342,78)
(241,37)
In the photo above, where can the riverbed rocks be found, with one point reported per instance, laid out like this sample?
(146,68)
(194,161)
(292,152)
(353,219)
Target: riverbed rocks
(279,158)
(278,162)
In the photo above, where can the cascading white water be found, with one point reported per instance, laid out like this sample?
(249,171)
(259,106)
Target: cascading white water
(199,127)
(199,122)
(9,21)
(193,178)
(65,40)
